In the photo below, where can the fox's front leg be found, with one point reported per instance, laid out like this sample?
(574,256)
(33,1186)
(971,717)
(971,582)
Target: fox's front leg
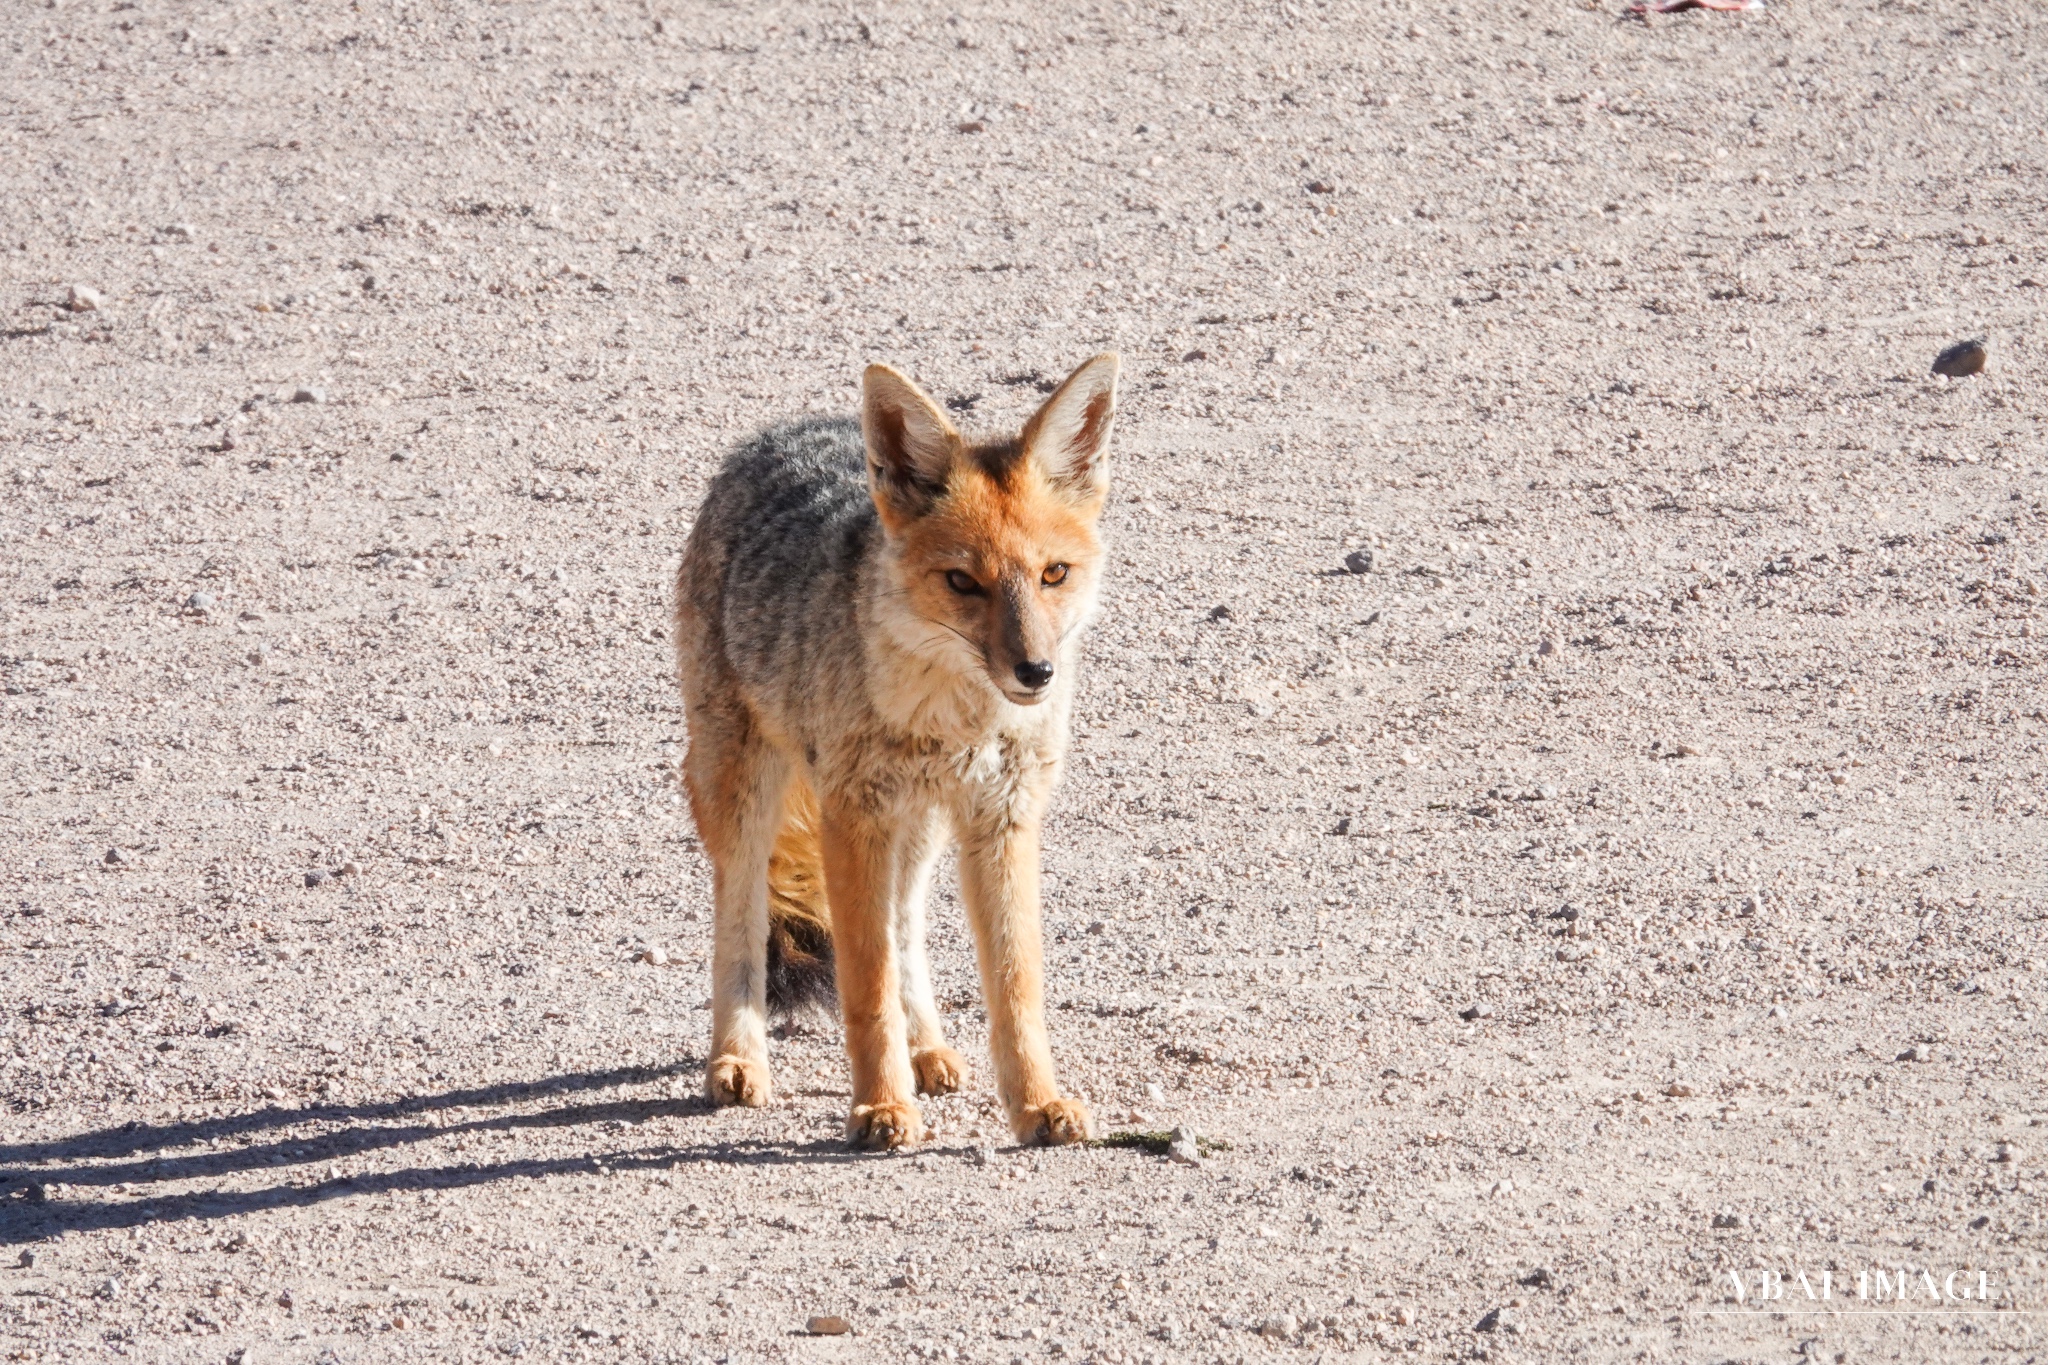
(860,886)
(999,882)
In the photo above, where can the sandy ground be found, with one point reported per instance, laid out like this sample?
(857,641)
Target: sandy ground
(1634,878)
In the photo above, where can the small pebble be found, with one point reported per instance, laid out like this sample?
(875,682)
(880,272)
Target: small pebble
(1477,1010)
(1963,359)
(115,857)
(1359,561)
(982,1155)
(83,298)
(1185,1149)
(316,878)
(1546,647)
(201,602)
(25,1261)
(348,869)
(1727,1220)
(1679,1090)
(828,1325)
(1496,1320)
(309,395)
(1280,1327)
(654,957)
(1919,1052)
(1154,1091)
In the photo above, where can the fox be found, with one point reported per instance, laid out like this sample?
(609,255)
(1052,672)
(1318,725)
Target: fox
(878,627)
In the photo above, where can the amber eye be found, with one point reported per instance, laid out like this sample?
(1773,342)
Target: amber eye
(1054,575)
(962,583)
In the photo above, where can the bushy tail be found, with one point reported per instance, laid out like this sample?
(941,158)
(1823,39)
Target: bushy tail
(799,926)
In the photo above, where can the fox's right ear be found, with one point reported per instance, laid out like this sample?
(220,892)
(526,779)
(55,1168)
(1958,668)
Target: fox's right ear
(911,445)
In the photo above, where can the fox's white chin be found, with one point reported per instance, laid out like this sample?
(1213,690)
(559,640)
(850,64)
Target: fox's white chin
(1024,698)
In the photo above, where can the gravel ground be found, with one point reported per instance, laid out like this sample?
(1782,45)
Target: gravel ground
(1632,877)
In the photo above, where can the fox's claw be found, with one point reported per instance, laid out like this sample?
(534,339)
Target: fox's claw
(737,1080)
(1054,1124)
(884,1127)
(940,1070)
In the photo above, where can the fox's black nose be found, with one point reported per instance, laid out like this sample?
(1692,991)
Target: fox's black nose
(1034,674)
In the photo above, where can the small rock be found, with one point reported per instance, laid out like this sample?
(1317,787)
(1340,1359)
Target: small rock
(1359,561)
(982,1155)
(653,957)
(83,298)
(1220,613)
(828,1325)
(115,857)
(177,232)
(1184,1149)
(201,602)
(2009,1154)
(25,1261)
(1962,360)
(1403,1318)
(1497,1320)
(1727,1220)
(1919,1052)
(1169,1330)
(1539,1278)
(348,869)
(1546,647)
(309,395)
(1280,1327)
(903,1282)
(1154,1091)
(1547,792)
(1679,1090)
(316,878)
(1477,1010)
(110,1288)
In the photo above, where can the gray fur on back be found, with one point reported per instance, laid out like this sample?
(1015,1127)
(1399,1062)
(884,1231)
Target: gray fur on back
(785,531)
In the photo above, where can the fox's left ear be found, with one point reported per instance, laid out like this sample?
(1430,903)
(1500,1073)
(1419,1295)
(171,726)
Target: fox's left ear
(1069,436)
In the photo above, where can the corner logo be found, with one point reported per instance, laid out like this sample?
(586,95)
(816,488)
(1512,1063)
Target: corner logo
(1773,1290)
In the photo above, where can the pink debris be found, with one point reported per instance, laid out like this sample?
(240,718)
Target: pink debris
(1673,6)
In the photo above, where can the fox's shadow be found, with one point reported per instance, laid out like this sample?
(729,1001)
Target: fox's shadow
(115,1156)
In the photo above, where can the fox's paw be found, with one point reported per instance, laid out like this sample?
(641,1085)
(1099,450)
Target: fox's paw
(737,1080)
(1055,1124)
(940,1070)
(884,1127)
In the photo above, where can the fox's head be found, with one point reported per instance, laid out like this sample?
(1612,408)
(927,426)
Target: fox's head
(995,540)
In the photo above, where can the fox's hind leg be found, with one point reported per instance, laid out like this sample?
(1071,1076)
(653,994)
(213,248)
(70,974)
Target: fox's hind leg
(736,781)
(938,1068)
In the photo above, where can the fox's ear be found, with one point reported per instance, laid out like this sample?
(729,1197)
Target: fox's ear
(1069,436)
(911,445)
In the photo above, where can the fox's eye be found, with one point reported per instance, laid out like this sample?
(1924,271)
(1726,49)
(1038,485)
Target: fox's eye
(962,583)
(1054,575)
